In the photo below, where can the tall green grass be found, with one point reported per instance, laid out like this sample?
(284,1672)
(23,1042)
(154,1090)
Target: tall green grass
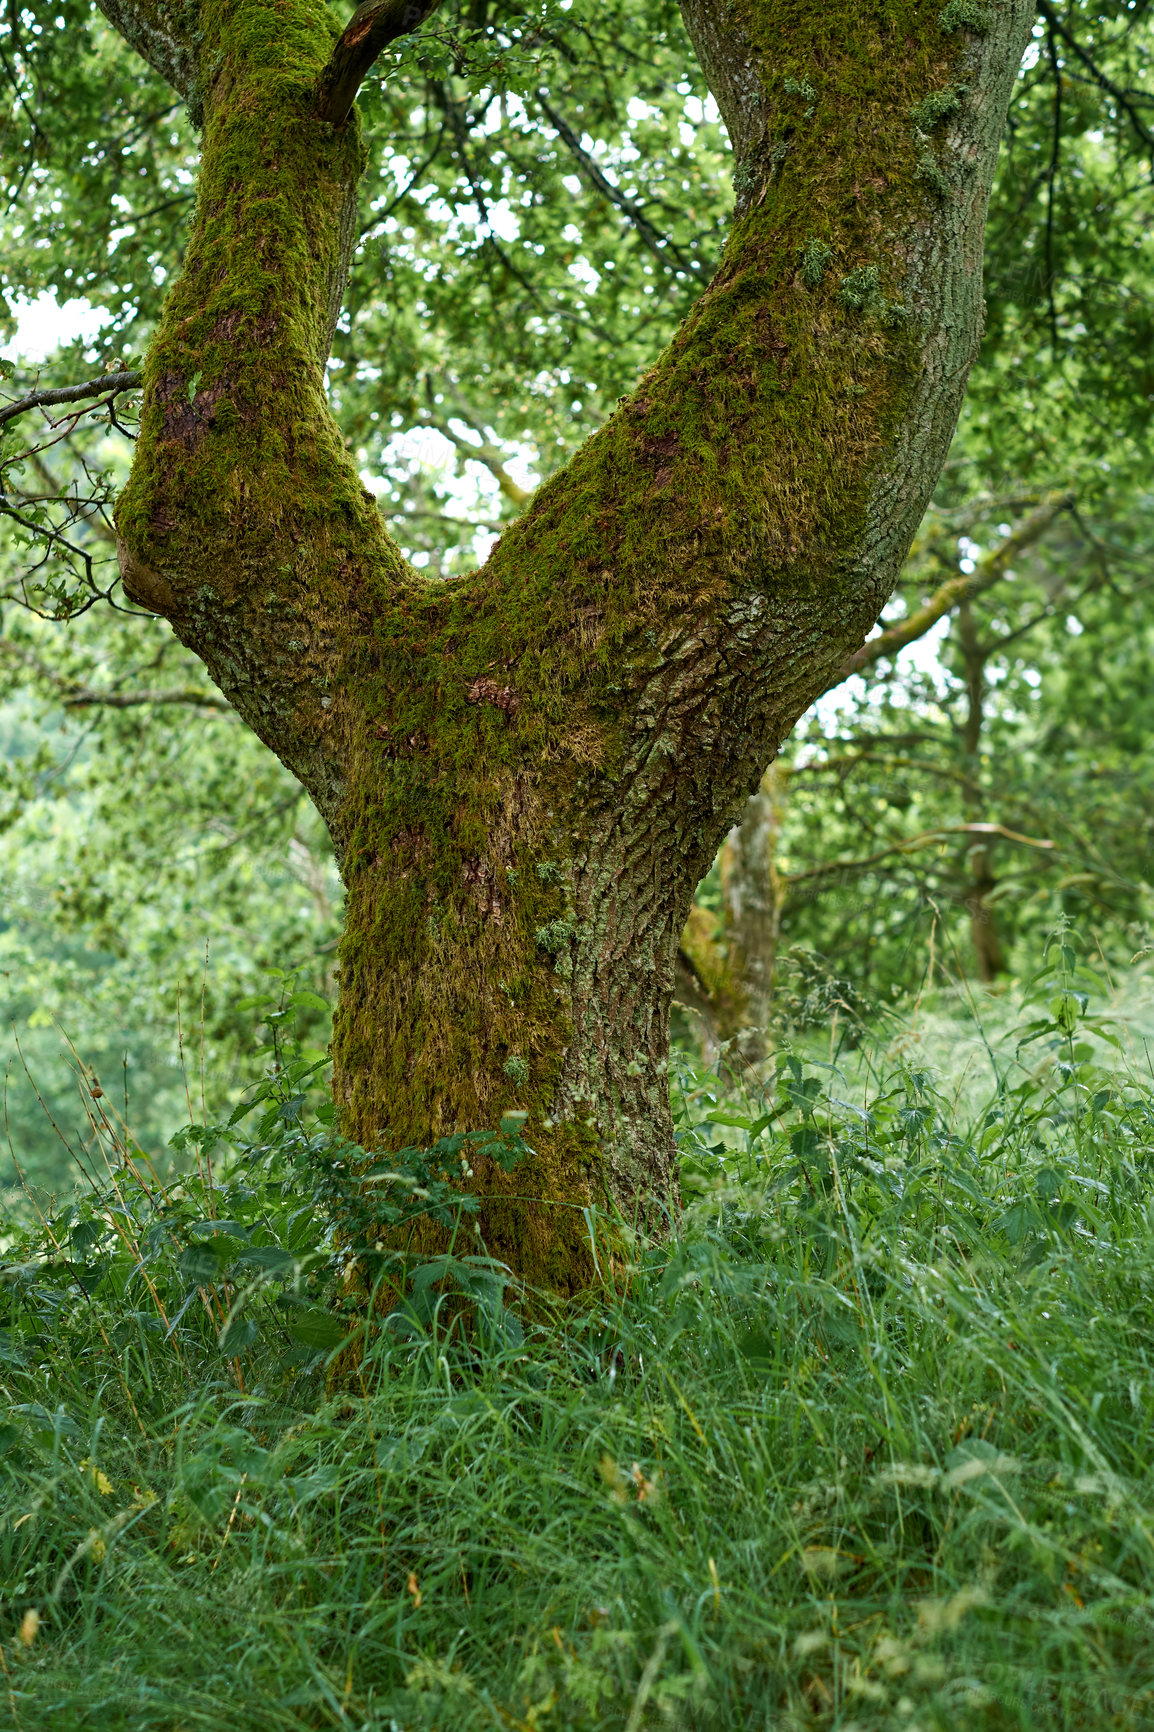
(867,1444)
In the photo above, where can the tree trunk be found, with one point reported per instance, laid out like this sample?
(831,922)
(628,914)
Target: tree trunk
(527,770)
(989,957)
(751,894)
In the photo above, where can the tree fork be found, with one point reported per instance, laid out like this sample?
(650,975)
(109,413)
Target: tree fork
(526,770)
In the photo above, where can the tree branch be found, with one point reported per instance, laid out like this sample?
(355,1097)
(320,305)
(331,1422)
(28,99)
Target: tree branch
(109,383)
(158,30)
(661,248)
(470,523)
(988,571)
(926,838)
(83,698)
(487,454)
(1120,96)
(835,766)
(77,697)
(367,34)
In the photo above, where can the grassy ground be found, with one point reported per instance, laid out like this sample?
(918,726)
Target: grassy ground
(867,1445)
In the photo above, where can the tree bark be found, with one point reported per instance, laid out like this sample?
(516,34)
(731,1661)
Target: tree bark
(527,770)
(989,957)
(751,897)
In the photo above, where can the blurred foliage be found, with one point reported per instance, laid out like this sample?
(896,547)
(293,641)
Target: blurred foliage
(989,791)
(154,874)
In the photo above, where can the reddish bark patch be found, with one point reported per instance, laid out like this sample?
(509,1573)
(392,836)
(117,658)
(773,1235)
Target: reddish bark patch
(228,325)
(665,447)
(662,453)
(187,419)
(258,330)
(477,875)
(504,698)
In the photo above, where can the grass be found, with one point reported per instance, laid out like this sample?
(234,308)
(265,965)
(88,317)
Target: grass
(867,1445)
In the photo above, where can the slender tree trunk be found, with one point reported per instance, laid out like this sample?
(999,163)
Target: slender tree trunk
(751,889)
(706,985)
(527,770)
(989,957)
(751,893)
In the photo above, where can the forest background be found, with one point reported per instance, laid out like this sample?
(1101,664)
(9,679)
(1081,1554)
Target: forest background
(549,194)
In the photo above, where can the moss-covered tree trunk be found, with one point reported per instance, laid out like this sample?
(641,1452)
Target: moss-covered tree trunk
(526,770)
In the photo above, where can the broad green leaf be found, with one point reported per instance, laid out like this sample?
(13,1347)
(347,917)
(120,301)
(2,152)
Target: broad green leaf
(317,1329)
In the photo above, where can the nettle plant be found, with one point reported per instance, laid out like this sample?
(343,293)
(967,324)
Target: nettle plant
(1060,1150)
(238,1250)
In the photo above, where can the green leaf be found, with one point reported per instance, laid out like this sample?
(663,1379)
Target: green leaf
(270,1258)
(239,1335)
(393,1453)
(10,1353)
(318,1329)
(203,1264)
(758,1347)
(1017,1222)
(49,1425)
(1066,1008)
(84,1235)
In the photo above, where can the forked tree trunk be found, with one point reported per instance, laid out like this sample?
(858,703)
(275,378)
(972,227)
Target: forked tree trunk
(527,770)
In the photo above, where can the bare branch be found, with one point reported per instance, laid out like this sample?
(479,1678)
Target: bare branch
(109,384)
(964,587)
(78,697)
(925,840)
(656,242)
(366,35)
(82,699)
(85,511)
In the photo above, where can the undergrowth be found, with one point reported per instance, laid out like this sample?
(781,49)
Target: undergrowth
(866,1444)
